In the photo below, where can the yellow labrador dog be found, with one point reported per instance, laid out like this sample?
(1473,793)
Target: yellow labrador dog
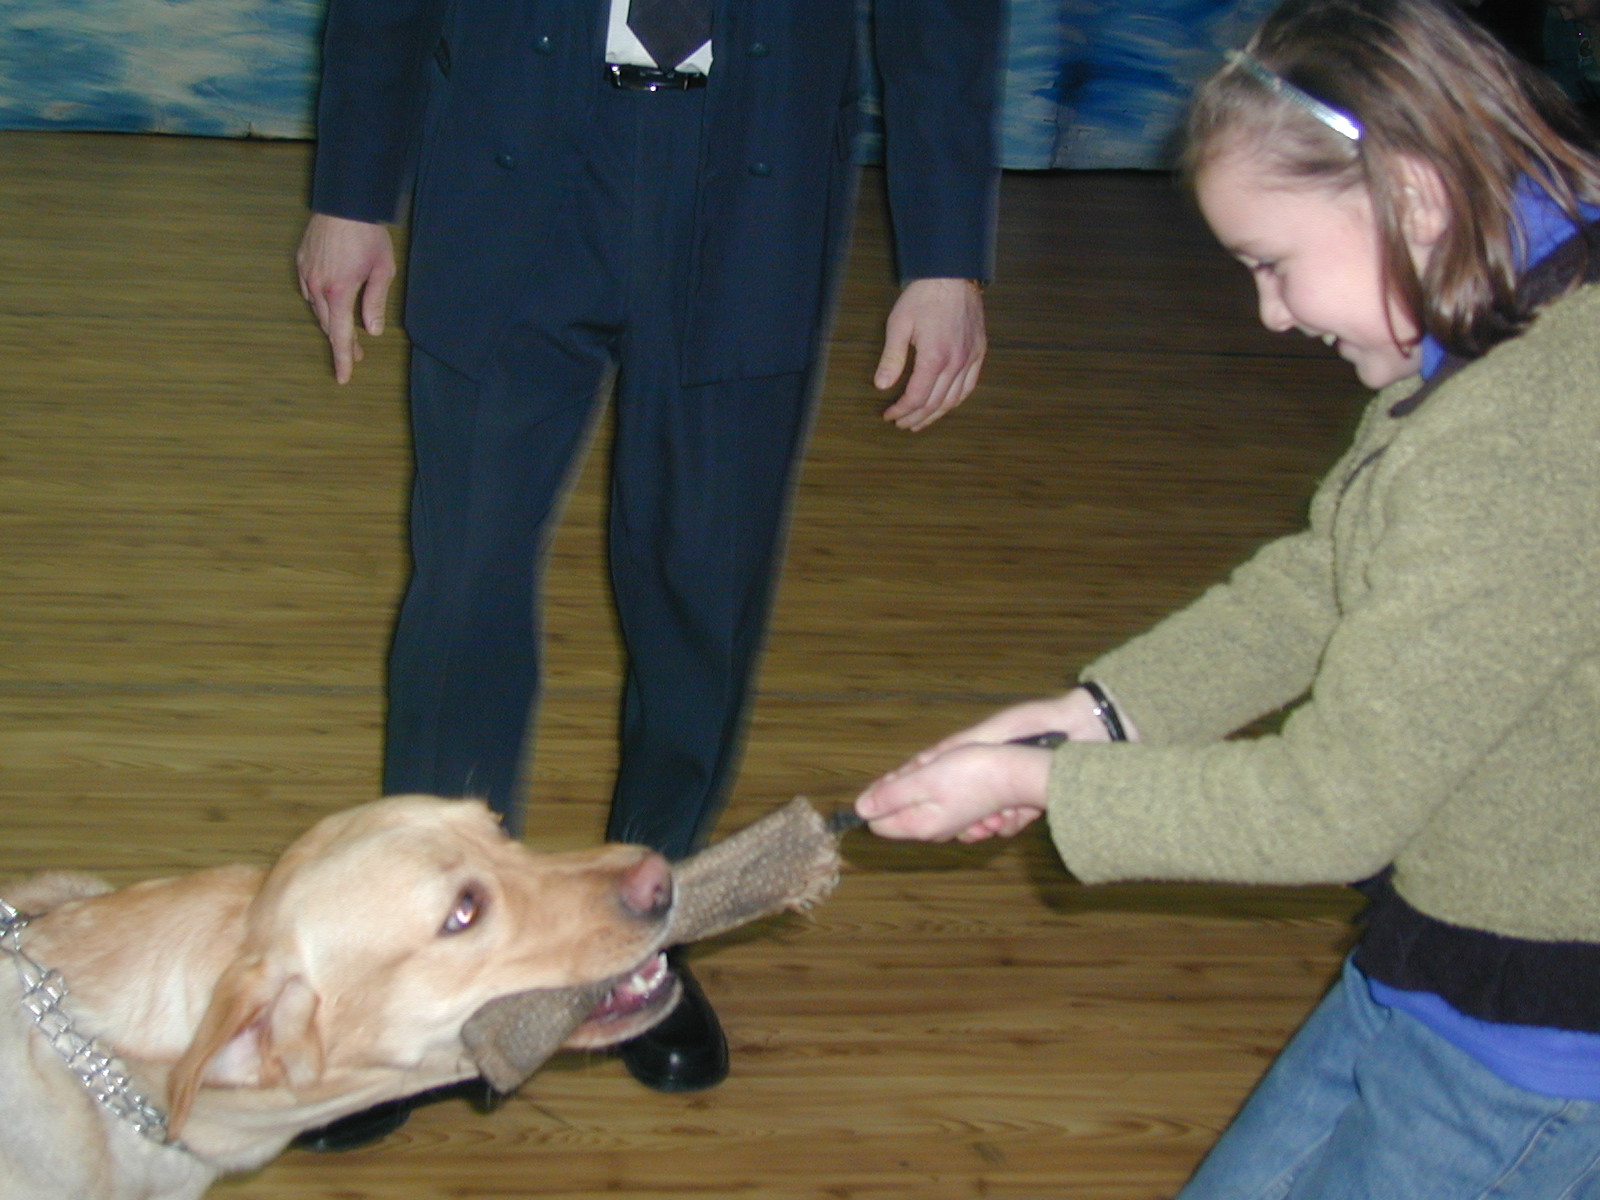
(232,1008)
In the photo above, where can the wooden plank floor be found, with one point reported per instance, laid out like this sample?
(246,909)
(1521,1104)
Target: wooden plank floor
(200,550)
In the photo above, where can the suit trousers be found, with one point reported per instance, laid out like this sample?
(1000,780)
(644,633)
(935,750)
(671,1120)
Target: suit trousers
(700,478)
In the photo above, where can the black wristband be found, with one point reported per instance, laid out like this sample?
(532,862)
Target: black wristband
(1105,710)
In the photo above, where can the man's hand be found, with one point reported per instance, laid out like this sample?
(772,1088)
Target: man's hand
(342,263)
(941,321)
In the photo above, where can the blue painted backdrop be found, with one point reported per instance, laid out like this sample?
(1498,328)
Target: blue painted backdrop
(1088,83)
(227,68)
(1098,83)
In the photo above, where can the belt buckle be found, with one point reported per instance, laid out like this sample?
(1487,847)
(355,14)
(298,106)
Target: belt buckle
(635,78)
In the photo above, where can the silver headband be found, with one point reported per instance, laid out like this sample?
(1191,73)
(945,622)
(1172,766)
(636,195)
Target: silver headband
(1335,119)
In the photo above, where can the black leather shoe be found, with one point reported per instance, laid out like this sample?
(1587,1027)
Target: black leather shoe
(480,1096)
(686,1052)
(378,1122)
(358,1129)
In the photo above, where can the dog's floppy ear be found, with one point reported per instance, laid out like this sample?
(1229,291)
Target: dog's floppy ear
(260,1030)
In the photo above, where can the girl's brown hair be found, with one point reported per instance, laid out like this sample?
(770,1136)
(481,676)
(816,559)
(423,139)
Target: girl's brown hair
(1424,81)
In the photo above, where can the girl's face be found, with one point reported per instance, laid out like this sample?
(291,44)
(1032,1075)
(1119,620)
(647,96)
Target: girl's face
(1315,259)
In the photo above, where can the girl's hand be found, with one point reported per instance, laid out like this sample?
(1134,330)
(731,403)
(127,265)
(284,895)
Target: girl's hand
(970,792)
(973,785)
(1071,713)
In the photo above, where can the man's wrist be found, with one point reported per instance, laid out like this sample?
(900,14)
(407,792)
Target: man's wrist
(977,285)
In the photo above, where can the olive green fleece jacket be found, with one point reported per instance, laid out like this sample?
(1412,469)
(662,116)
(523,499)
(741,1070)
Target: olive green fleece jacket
(1437,627)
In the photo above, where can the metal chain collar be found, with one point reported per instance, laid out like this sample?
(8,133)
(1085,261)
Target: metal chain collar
(42,993)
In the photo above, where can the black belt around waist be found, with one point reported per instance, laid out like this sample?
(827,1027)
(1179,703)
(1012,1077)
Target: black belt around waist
(652,79)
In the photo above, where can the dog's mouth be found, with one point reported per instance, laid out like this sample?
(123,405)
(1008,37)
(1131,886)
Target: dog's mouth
(633,1004)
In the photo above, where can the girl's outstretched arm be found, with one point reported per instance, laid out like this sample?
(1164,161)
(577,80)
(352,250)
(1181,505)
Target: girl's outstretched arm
(979,783)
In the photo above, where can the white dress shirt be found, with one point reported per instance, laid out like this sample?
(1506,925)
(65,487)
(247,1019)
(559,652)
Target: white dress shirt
(623,47)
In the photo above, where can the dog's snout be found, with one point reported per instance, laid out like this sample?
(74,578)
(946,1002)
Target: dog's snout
(646,887)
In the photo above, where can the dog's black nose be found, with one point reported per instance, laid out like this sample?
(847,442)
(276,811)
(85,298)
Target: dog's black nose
(646,887)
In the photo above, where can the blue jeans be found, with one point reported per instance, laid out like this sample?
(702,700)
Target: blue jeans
(1367,1104)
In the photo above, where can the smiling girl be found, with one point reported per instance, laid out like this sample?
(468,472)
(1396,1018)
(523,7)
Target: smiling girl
(1402,189)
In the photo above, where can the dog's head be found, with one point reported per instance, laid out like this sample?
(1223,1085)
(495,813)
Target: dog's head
(380,931)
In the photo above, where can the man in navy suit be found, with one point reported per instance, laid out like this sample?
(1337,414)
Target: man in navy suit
(578,204)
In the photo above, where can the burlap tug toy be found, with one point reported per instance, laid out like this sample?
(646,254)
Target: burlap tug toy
(787,860)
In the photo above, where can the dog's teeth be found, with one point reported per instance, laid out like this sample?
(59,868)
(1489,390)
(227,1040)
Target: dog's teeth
(645,979)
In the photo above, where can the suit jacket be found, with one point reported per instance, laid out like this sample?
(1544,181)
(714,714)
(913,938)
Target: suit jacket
(481,107)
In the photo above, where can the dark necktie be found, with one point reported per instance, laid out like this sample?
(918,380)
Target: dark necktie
(670,30)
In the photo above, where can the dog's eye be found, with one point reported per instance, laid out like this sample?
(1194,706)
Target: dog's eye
(465,912)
